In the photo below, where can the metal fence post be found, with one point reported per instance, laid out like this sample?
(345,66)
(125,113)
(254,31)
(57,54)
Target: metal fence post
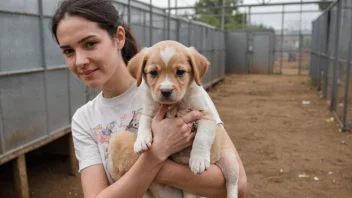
(145,27)
(244,22)
(317,56)
(2,131)
(168,19)
(151,24)
(189,33)
(300,41)
(249,15)
(327,62)
(178,29)
(44,64)
(214,54)
(336,56)
(223,15)
(129,12)
(348,73)
(282,37)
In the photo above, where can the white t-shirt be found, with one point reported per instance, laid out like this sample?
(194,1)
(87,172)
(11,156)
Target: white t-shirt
(93,123)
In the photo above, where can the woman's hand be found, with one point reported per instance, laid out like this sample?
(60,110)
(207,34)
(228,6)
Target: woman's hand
(171,135)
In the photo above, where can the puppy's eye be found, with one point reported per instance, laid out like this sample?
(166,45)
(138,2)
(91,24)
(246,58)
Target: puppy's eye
(154,73)
(180,72)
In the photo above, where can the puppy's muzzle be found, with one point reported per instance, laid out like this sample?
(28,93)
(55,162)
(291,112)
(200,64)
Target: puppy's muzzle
(166,92)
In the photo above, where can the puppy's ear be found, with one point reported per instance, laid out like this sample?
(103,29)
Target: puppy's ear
(136,65)
(199,64)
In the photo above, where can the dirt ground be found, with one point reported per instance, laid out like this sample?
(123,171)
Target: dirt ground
(289,149)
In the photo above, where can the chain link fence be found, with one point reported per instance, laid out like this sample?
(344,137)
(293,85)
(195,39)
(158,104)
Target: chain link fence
(331,57)
(290,20)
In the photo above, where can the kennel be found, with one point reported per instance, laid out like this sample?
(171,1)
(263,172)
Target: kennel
(250,52)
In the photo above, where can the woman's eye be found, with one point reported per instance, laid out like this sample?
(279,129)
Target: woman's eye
(180,72)
(68,51)
(90,44)
(153,73)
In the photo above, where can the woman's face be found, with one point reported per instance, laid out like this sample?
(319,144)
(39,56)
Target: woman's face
(90,52)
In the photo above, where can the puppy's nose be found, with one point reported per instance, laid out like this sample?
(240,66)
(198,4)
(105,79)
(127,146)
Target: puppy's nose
(166,92)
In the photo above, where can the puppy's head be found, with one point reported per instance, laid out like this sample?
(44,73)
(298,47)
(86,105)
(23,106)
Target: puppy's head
(168,68)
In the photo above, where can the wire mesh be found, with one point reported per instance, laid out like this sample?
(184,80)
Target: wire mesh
(331,48)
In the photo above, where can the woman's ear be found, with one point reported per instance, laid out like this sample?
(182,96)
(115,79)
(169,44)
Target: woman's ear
(120,37)
(136,65)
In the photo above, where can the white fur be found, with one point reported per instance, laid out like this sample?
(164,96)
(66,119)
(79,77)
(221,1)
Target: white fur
(166,84)
(167,54)
(200,154)
(144,134)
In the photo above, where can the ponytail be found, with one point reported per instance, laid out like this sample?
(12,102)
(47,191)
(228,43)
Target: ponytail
(131,47)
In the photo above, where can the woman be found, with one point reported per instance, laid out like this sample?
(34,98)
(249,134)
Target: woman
(97,46)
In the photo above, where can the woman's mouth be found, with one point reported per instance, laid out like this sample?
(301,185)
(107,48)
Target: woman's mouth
(88,73)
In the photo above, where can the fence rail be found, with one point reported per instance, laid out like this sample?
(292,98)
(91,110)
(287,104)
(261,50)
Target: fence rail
(331,57)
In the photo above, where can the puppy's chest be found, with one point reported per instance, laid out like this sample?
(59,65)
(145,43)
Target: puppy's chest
(178,110)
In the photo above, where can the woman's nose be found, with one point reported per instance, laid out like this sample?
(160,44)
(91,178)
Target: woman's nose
(81,59)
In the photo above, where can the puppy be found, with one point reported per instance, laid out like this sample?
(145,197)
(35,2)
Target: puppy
(170,73)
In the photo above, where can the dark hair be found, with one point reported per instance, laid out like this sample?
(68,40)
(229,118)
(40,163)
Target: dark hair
(104,14)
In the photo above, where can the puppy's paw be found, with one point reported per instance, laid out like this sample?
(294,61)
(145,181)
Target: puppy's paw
(142,144)
(199,164)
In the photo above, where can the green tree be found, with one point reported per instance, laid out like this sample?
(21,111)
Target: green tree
(323,6)
(307,41)
(205,12)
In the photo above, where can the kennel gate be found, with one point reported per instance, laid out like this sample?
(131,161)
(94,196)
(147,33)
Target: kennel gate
(250,52)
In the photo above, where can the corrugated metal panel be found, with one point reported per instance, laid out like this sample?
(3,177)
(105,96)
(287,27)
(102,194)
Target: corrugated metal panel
(261,51)
(78,95)
(184,33)
(23,109)
(49,7)
(22,6)
(236,52)
(19,41)
(53,54)
(58,100)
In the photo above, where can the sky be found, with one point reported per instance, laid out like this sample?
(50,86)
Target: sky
(291,21)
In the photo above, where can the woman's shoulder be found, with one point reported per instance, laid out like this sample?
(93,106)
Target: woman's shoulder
(86,108)
(131,100)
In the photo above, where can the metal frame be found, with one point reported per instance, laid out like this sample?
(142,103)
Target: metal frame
(252,5)
(258,13)
(322,59)
(336,60)
(281,51)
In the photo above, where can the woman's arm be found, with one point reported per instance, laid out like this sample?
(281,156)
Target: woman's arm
(133,184)
(211,183)
(93,176)
(137,179)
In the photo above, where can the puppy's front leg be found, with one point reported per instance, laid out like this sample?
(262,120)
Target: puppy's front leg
(144,134)
(200,155)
